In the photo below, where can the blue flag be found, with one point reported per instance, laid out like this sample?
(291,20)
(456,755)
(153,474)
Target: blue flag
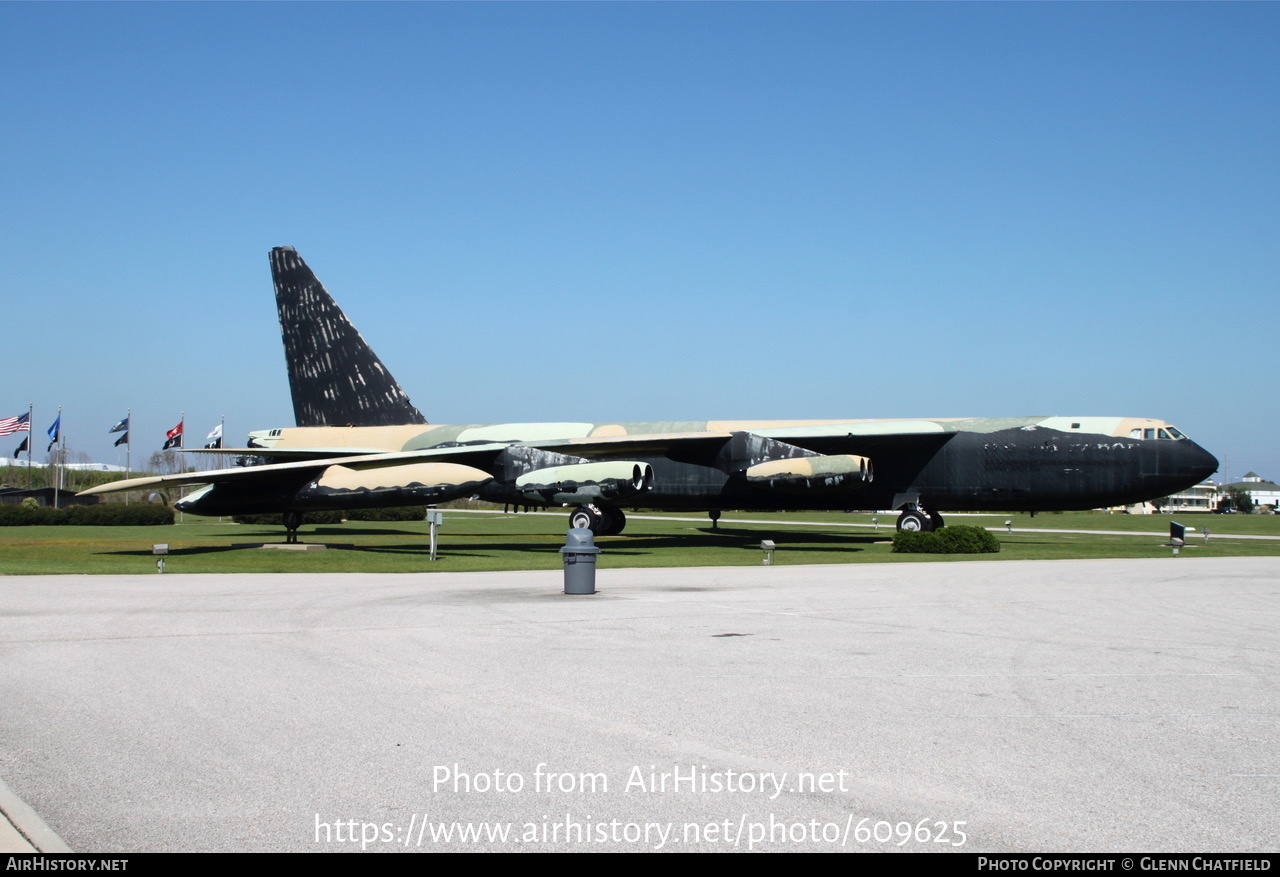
(53,433)
(122,426)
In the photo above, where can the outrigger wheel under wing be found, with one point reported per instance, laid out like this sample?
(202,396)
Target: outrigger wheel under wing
(292,521)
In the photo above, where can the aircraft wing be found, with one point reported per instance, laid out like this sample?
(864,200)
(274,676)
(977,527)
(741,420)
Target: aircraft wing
(286,454)
(862,441)
(681,443)
(568,471)
(316,461)
(734,451)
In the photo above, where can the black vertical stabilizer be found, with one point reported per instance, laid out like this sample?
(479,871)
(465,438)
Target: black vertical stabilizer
(335,377)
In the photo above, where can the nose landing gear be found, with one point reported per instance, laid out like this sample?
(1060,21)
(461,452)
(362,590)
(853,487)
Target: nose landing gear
(917,520)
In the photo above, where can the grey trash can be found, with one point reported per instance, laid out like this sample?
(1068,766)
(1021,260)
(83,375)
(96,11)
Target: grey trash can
(580,561)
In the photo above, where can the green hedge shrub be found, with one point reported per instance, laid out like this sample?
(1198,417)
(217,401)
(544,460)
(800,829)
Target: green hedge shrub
(949,540)
(397,513)
(23,515)
(102,515)
(118,514)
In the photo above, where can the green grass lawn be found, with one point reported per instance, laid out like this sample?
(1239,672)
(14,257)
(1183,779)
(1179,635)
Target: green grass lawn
(470,542)
(1253,525)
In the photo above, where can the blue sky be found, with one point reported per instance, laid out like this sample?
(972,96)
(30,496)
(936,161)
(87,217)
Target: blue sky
(649,211)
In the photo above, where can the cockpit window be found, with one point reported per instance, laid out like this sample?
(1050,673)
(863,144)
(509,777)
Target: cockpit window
(1163,432)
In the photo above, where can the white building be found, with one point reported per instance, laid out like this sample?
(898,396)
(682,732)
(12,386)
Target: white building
(1260,491)
(82,467)
(1198,498)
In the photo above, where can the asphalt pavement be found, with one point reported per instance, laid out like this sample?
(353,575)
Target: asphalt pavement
(1089,705)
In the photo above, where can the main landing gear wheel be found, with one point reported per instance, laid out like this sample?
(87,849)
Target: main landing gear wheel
(583,518)
(915,522)
(602,520)
(617,524)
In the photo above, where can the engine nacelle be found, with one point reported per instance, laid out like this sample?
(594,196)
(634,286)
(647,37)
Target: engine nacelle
(586,482)
(809,474)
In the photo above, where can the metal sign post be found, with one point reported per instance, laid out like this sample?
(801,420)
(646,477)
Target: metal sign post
(435,519)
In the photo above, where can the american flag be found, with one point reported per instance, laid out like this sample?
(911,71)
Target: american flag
(10,425)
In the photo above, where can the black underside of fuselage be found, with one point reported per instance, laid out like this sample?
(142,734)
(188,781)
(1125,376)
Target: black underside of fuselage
(1017,469)
(1008,470)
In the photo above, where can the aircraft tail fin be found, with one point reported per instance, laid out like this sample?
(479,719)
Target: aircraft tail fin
(335,377)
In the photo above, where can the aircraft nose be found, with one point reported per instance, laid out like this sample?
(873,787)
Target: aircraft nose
(1193,462)
(1170,467)
(1200,461)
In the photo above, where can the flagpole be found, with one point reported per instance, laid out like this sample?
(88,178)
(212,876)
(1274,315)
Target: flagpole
(62,456)
(128,448)
(222,443)
(31,418)
(57,468)
(182,455)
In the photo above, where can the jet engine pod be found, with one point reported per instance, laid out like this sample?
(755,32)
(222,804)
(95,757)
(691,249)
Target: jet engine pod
(341,487)
(586,482)
(807,474)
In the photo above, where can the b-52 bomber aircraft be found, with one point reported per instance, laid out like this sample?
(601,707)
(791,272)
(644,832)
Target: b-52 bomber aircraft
(360,443)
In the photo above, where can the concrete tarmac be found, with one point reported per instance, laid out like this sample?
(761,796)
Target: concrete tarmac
(1091,705)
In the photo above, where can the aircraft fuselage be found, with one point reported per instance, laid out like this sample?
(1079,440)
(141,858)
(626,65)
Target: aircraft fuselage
(921,467)
(975,464)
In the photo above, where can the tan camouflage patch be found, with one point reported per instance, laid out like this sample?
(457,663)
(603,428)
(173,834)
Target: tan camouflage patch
(384,438)
(427,474)
(810,467)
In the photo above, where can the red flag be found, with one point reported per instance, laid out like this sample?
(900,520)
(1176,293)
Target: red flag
(173,438)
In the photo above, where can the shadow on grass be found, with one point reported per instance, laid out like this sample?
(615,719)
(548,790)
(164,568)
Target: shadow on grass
(176,552)
(708,538)
(353,531)
(313,532)
(423,549)
(485,544)
(626,545)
